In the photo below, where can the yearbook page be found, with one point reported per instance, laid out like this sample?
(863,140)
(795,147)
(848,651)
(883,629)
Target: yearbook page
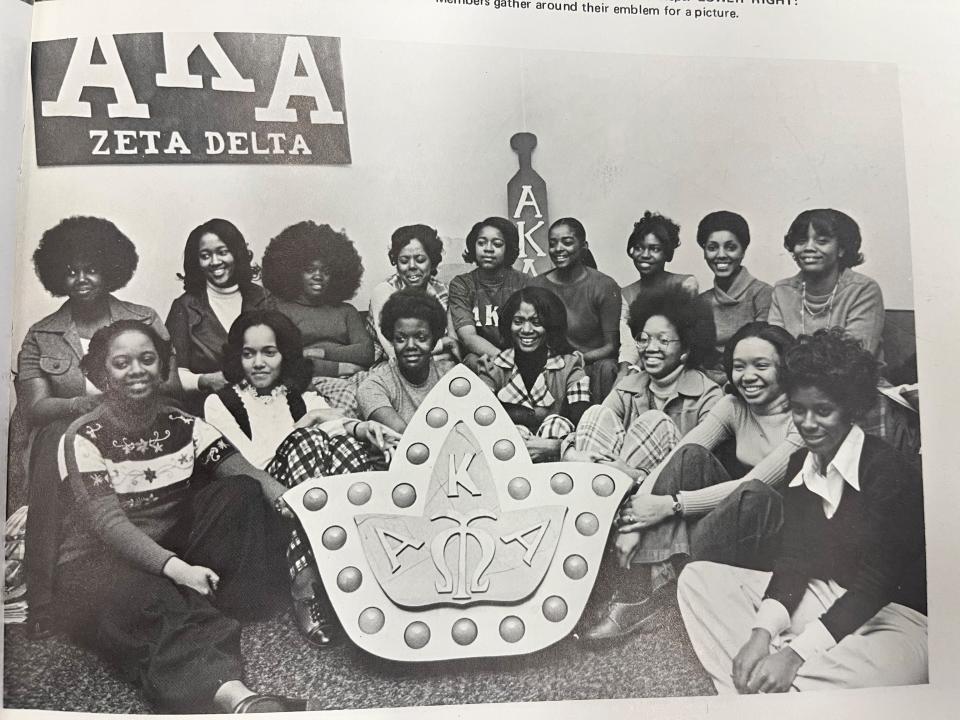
(480,356)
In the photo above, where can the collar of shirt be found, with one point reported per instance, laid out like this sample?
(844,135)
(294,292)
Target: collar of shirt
(844,468)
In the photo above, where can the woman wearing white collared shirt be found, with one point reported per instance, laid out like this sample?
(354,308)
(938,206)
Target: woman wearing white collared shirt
(845,605)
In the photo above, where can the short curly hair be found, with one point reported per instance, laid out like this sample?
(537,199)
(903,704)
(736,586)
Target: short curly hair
(837,364)
(299,245)
(733,223)
(551,311)
(661,227)
(427,236)
(780,339)
(244,272)
(296,371)
(94,363)
(90,239)
(831,223)
(510,235)
(413,303)
(689,315)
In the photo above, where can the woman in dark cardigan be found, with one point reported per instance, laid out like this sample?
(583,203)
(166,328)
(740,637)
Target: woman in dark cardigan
(846,603)
(217,286)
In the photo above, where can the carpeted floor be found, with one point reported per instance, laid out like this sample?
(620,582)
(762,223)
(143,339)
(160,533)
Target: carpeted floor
(56,675)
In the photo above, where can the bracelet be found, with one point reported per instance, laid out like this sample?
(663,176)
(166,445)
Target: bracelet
(353,430)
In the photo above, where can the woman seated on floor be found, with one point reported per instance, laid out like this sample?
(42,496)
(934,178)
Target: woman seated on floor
(475,297)
(171,537)
(85,260)
(391,393)
(278,425)
(689,508)
(540,379)
(311,271)
(650,409)
(416,252)
(592,300)
(846,603)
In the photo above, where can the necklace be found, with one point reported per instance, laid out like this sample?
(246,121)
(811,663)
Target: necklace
(805,306)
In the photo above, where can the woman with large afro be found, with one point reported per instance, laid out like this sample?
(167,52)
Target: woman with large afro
(85,260)
(312,270)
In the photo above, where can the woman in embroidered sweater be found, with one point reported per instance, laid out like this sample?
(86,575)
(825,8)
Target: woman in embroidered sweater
(268,414)
(845,605)
(540,380)
(217,286)
(391,393)
(650,409)
(736,298)
(827,292)
(310,271)
(592,300)
(171,537)
(651,246)
(84,259)
(475,297)
(416,252)
(689,507)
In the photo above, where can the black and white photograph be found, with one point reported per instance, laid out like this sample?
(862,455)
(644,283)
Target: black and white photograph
(376,355)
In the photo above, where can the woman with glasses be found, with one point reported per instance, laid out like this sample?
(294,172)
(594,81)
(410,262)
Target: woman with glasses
(650,246)
(652,407)
(692,507)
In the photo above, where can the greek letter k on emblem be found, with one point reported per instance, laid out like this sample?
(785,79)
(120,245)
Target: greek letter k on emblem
(464,547)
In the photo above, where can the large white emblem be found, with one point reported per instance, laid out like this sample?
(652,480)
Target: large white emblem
(464,548)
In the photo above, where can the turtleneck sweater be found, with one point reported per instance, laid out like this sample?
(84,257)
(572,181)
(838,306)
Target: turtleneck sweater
(765,439)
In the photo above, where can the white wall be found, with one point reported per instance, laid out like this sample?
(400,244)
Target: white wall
(430,128)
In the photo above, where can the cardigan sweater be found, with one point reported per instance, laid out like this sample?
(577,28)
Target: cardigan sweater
(873,546)
(857,307)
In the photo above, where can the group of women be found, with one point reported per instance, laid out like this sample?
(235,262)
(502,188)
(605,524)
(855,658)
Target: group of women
(127,481)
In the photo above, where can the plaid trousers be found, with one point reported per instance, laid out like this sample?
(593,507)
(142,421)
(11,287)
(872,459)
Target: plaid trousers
(553,427)
(643,445)
(309,453)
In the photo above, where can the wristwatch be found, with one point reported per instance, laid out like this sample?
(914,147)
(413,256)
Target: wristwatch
(677,505)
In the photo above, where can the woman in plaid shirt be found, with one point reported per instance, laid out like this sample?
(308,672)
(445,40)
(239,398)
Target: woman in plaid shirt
(540,379)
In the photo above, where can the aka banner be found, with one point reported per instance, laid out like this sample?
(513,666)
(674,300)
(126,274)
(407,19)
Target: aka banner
(189,98)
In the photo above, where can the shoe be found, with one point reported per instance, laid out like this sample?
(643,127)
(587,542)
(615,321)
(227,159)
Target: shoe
(625,618)
(313,618)
(269,703)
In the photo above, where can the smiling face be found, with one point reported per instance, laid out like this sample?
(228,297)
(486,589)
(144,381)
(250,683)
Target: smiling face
(660,347)
(723,253)
(413,342)
(315,278)
(527,329)
(216,261)
(133,367)
(260,358)
(84,281)
(817,254)
(491,248)
(565,248)
(649,255)
(821,421)
(754,371)
(413,264)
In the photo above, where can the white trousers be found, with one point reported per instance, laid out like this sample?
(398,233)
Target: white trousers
(719,606)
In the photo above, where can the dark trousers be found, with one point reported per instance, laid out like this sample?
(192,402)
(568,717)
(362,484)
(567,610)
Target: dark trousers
(46,495)
(177,645)
(743,530)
